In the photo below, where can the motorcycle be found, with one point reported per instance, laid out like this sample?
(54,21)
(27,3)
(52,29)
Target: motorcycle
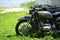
(40,21)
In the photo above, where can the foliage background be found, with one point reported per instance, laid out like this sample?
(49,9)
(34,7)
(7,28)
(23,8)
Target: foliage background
(27,5)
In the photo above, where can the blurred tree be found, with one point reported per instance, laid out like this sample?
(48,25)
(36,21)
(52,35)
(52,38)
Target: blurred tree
(29,4)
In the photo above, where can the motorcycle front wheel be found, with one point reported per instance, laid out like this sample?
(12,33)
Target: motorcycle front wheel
(23,28)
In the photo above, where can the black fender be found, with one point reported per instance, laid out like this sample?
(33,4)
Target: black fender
(56,14)
(24,18)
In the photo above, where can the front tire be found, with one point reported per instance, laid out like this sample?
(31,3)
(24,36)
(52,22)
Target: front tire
(24,30)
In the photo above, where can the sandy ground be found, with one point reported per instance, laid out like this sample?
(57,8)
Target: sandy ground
(13,10)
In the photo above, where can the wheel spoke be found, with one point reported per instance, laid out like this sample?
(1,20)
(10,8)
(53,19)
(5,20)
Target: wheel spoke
(24,28)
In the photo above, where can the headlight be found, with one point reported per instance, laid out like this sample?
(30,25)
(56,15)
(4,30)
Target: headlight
(46,27)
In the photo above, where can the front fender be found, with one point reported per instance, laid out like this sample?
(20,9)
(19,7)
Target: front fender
(24,18)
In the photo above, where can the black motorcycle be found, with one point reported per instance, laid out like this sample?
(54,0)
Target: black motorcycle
(39,21)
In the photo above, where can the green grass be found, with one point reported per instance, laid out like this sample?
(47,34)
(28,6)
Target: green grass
(7,27)
(1,9)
